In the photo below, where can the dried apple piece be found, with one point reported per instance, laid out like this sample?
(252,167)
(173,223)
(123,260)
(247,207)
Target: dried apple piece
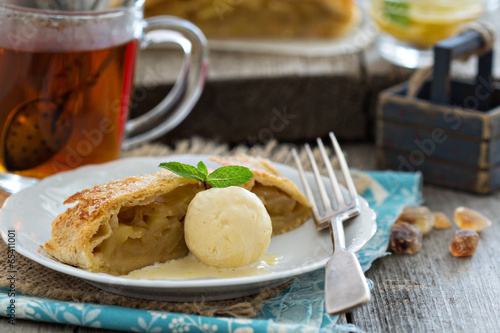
(467,218)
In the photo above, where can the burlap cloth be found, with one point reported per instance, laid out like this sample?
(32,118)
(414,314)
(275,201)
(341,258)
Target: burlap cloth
(37,280)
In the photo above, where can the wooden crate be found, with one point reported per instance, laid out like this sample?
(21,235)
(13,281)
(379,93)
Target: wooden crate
(455,141)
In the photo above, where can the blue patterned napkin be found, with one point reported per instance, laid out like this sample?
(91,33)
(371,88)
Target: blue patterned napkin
(298,309)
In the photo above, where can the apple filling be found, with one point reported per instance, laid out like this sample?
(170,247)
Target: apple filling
(143,234)
(286,213)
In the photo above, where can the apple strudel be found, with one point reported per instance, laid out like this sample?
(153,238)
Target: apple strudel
(134,222)
(262,18)
(125,224)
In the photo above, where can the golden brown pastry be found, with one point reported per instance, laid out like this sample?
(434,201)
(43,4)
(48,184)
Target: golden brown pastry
(125,224)
(286,205)
(262,18)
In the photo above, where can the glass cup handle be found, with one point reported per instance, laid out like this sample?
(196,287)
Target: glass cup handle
(189,84)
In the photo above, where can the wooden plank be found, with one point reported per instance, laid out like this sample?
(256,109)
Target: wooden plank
(435,143)
(441,172)
(432,291)
(444,52)
(158,66)
(285,109)
(424,113)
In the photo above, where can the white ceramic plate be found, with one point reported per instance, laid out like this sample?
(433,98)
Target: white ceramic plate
(30,213)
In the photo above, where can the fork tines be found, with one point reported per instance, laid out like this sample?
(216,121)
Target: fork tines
(340,203)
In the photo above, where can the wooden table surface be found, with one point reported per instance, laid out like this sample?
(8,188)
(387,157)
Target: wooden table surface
(431,291)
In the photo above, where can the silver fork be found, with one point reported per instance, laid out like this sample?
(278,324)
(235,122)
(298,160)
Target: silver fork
(345,284)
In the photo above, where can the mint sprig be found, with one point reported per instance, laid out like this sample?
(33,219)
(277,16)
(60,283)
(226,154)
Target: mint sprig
(203,168)
(397,12)
(231,175)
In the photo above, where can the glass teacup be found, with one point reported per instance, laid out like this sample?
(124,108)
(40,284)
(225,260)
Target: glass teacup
(410,28)
(66,72)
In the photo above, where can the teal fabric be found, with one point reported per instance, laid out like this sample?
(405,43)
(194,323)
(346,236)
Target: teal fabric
(298,309)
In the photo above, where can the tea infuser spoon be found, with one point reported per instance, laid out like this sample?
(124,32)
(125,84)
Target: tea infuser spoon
(37,129)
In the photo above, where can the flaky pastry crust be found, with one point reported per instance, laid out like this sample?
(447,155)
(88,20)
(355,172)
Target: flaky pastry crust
(81,228)
(263,18)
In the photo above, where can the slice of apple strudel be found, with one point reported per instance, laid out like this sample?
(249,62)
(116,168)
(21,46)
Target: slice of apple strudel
(125,224)
(135,222)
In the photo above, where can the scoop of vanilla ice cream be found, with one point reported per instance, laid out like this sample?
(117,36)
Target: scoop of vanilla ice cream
(227,227)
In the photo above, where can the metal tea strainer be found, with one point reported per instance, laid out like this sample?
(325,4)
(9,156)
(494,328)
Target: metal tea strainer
(37,129)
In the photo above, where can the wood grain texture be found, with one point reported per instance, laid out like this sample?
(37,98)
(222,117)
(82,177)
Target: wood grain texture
(432,291)
(286,109)
(161,66)
(451,146)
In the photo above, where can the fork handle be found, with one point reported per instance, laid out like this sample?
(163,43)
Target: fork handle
(345,283)
(337,233)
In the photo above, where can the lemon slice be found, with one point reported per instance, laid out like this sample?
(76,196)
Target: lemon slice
(424,23)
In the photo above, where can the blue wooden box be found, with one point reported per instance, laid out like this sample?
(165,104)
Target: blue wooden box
(450,131)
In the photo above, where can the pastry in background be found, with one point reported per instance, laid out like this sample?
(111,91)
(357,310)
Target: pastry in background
(262,18)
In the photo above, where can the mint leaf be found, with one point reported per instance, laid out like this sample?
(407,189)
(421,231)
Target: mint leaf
(203,168)
(231,175)
(398,12)
(184,170)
